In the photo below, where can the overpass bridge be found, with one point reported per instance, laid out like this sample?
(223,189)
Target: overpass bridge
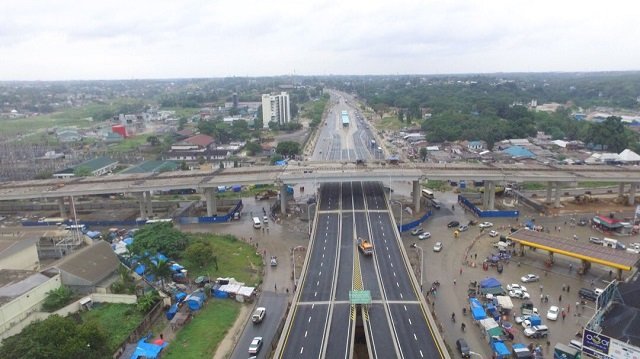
(207,182)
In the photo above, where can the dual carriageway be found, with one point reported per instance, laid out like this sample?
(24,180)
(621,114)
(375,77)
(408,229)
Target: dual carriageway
(323,322)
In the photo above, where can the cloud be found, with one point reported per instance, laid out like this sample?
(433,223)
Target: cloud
(142,39)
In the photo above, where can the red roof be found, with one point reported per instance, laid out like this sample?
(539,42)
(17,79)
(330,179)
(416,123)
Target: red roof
(186,132)
(608,220)
(200,140)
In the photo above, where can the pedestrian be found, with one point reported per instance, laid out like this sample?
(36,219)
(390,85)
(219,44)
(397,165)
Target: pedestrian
(568,287)
(454,282)
(563,315)
(593,284)
(287,290)
(610,274)
(275,286)
(475,256)
(568,308)
(560,298)
(541,288)
(563,286)
(541,297)
(460,270)
(546,299)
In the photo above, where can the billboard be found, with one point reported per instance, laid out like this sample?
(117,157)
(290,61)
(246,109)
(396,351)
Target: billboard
(605,347)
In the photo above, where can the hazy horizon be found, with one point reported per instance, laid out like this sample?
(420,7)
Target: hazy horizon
(118,40)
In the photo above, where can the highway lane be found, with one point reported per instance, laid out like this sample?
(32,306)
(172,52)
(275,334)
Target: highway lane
(330,193)
(383,342)
(276,304)
(367,265)
(414,334)
(318,281)
(357,196)
(307,331)
(339,340)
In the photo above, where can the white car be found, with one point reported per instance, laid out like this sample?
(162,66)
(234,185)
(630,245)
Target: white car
(529,278)
(485,225)
(519,294)
(494,234)
(425,235)
(437,247)
(515,286)
(552,313)
(522,318)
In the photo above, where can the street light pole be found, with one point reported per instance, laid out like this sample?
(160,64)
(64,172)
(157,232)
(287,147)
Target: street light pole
(309,215)
(401,210)
(421,265)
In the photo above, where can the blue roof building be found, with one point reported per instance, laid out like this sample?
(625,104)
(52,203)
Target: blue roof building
(518,152)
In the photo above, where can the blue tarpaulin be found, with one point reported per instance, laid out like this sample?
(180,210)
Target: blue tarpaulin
(172,311)
(489,283)
(478,313)
(147,350)
(176,267)
(281,163)
(93,234)
(236,188)
(475,303)
(501,350)
(128,241)
(195,300)
(180,296)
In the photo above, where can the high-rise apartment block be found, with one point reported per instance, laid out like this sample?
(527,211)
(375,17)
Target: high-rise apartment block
(275,108)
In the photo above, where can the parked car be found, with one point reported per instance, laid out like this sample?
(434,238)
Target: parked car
(255,346)
(417,231)
(586,293)
(529,278)
(463,228)
(274,261)
(494,233)
(519,294)
(258,315)
(453,224)
(596,240)
(583,221)
(552,313)
(537,331)
(485,225)
(522,318)
(425,235)
(437,247)
(463,348)
(515,286)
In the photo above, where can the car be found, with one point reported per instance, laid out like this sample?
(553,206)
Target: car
(537,331)
(417,231)
(258,315)
(586,293)
(583,221)
(494,233)
(522,318)
(463,228)
(514,286)
(437,247)
(519,294)
(598,291)
(485,225)
(552,313)
(453,224)
(508,327)
(255,346)
(265,219)
(596,240)
(425,235)
(274,261)
(529,278)
(463,348)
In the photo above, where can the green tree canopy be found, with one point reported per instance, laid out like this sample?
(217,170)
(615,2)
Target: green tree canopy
(611,133)
(288,148)
(159,237)
(57,338)
(199,253)
(252,148)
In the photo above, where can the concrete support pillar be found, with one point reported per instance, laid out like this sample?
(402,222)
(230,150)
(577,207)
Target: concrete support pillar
(62,208)
(621,189)
(619,274)
(283,199)
(416,196)
(492,195)
(72,208)
(143,210)
(632,193)
(148,204)
(556,203)
(549,189)
(211,200)
(485,196)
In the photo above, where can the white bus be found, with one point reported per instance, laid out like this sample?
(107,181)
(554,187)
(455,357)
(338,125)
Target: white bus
(161,220)
(427,193)
(257,223)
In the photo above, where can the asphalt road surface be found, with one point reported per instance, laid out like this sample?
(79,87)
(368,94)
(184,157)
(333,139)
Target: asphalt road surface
(322,324)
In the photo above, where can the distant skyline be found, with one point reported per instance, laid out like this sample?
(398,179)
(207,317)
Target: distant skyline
(142,39)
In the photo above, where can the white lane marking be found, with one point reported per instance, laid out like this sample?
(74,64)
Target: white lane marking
(313,305)
(397,284)
(415,337)
(401,296)
(317,283)
(305,333)
(387,247)
(315,294)
(322,255)
(309,319)
(405,308)
(394,274)
(421,355)
(302,349)
(319,273)
(410,322)
(389,255)
(391,265)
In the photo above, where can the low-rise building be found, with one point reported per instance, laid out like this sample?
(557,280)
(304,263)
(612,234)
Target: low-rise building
(90,269)
(95,167)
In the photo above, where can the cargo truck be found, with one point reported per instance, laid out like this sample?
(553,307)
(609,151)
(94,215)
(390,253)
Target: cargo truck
(365,246)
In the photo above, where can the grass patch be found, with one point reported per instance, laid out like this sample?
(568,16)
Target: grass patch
(437,185)
(182,112)
(117,321)
(130,144)
(33,124)
(235,259)
(593,184)
(533,186)
(202,335)
(389,123)
(244,193)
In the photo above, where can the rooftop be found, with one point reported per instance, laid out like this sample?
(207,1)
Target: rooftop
(93,263)
(152,167)
(200,140)
(14,283)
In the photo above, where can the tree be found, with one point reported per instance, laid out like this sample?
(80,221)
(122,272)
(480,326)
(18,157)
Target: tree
(125,283)
(57,338)
(253,148)
(147,301)
(199,253)
(57,298)
(288,148)
(160,269)
(611,134)
(153,141)
(257,122)
(423,153)
(181,123)
(159,238)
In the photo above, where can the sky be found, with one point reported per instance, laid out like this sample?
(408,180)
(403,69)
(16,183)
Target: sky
(141,39)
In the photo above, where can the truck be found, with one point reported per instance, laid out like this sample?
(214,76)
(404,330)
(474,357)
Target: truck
(365,246)
(562,351)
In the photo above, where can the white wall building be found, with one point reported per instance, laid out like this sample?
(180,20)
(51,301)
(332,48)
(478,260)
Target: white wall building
(275,108)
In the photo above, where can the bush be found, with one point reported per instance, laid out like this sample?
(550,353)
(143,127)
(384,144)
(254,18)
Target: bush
(57,298)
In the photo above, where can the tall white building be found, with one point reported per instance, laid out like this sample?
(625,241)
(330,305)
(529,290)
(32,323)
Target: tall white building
(275,108)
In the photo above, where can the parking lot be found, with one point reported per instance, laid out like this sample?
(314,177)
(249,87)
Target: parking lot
(454,268)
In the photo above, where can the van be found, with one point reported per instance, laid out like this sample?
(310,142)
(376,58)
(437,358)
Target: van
(576,344)
(435,204)
(537,331)
(585,293)
(256,223)
(463,348)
